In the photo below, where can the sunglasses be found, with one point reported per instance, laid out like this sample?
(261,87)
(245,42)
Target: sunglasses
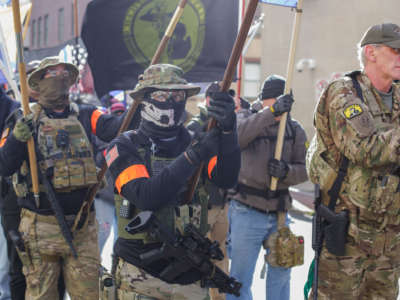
(163,96)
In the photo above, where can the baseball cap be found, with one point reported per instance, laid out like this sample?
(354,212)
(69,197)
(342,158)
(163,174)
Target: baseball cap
(386,33)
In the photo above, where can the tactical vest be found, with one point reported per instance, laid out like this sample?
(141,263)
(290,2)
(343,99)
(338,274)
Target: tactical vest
(66,155)
(174,216)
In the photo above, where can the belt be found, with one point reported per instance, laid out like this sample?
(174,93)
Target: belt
(266,194)
(271,212)
(50,219)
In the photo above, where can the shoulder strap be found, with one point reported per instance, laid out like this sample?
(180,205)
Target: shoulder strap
(334,190)
(353,75)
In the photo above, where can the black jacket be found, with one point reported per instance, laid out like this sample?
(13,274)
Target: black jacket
(154,192)
(7,106)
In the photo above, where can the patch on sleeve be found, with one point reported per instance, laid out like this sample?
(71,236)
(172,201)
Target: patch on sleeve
(5,133)
(358,117)
(112,155)
(352,111)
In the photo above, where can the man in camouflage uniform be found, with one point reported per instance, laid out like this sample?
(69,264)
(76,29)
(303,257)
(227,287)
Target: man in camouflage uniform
(62,134)
(360,120)
(151,168)
(253,210)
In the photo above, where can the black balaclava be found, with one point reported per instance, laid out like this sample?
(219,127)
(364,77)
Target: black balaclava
(161,120)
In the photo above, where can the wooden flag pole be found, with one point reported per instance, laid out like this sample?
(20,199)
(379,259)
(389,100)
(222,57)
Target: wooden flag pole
(288,86)
(24,95)
(76,23)
(128,118)
(227,80)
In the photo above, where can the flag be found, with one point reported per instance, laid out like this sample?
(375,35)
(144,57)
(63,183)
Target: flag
(290,3)
(121,37)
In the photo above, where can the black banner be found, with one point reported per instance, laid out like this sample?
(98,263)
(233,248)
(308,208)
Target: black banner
(121,37)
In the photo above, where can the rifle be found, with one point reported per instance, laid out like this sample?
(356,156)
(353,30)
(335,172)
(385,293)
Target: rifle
(317,239)
(329,226)
(56,207)
(187,251)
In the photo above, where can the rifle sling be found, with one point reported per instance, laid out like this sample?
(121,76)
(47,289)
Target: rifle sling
(335,189)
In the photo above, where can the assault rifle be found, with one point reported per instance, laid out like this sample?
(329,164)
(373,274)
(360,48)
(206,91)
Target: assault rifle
(55,206)
(190,250)
(331,227)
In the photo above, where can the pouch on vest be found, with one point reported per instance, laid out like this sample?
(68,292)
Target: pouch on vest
(19,181)
(67,154)
(284,249)
(318,169)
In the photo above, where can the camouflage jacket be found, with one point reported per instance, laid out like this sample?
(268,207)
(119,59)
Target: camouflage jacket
(368,134)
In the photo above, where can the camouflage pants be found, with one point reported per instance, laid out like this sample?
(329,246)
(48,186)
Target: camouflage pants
(362,274)
(135,284)
(47,254)
(218,221)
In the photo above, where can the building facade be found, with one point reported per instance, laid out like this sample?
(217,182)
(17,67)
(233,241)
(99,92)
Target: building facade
(51,27)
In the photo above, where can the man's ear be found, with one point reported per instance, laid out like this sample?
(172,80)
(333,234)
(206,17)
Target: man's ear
(370,53)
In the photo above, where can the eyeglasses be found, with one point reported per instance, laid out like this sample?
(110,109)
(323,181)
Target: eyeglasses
(55,72)
(162,96)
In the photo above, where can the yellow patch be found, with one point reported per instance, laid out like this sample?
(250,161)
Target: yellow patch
(352,111)
(307,144)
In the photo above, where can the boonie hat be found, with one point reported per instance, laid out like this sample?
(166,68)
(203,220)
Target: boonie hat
(162,77)
(47,62)
(386,33)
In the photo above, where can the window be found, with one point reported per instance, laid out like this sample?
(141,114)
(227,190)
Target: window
(33,33)
(251,80)
(61,25)
(39,32)
(46,30)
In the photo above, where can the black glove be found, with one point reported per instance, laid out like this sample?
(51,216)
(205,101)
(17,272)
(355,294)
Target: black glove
(283,104)
(222,109)
(277,168)
(204,146)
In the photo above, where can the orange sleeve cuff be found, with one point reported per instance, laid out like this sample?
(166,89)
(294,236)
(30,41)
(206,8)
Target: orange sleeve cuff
(4,137)
(211,165)
(131,173)
(93,120)
(2,142)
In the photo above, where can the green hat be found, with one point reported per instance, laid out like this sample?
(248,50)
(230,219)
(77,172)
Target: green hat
(37,74)
(386,33)
(162,77)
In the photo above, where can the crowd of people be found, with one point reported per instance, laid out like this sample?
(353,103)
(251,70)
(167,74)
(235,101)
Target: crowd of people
(181,236)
